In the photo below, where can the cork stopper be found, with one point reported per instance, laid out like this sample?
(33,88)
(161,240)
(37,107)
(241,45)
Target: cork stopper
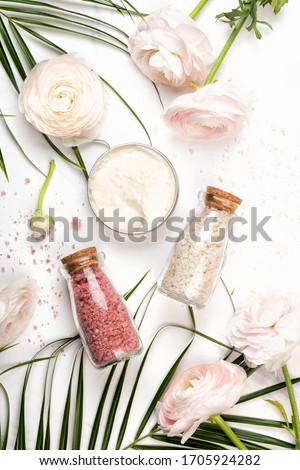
(80,259)
(221,200)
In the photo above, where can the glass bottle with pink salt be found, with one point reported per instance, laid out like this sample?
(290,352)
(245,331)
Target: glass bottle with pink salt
(106,328)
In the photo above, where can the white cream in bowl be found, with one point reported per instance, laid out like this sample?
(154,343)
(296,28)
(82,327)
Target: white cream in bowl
(133,182)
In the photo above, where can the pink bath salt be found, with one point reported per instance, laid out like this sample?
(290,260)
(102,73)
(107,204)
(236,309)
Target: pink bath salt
(106,326)
(76,223)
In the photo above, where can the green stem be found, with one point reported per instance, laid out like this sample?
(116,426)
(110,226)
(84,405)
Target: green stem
(197,9)
(225,50)
(139,439)
(295,411)
(45,186)
(228,431)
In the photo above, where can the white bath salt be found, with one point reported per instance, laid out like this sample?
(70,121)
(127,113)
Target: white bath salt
(136,180)
(197,259)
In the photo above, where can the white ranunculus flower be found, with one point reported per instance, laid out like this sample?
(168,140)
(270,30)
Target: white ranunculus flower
(169,48)
(17,303)
(63,97)
(198,393)
(266,328)
(210,113)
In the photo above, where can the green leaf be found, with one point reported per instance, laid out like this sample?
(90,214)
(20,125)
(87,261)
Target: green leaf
(244,435)
(20,442)
(14,139)
(129,107)
(68,30)
(129,293)
(281,409)
(190,444)
(5,348)
(40,432)
(50,16)
(3,444)
(42,38)
(23,46)
(113,409)
(61,154)
(98,416)
(11,49)
(217,436)
(80,161)
(152,447)
(150,293)
(161,389)
(7,67)
(3,168)
(56,353)
(278,4)
(26,363)
(111,4)
(253,421)
(266,391)
(63,439)
(69,12)
(77,430)
(133,9)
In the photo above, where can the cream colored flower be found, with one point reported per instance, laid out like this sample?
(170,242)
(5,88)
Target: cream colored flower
(266,328)
(169,48)
(198,393)
(18,300)
(64,98)
(210,113)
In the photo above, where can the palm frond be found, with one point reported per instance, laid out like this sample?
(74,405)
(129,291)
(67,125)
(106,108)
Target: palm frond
(2,166)
(4,437)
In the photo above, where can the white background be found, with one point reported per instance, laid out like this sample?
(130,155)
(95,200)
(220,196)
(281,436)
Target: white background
(260,164)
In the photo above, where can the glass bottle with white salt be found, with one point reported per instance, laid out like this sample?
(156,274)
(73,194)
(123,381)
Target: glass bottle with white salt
(196,262)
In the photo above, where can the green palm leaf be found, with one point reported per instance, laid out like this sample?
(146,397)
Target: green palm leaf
(7,67)
(3,440)
(2,166)
(265,391)
(60,9)
(64,433)
(11,49)
(56,18)
(78,419)
(161,389)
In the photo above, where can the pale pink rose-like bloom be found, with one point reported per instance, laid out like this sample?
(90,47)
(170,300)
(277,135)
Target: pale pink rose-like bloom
(169,48)
(266,328)
(198,393)
(64,98)
(18,300)
(210,113)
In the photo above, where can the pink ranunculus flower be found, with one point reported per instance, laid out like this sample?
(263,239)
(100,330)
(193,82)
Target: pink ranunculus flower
(64,98)
(198,393)
(18,300)
(210,113)
(169,48)
(266,328)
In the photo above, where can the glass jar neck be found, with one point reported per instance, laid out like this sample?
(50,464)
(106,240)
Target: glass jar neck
(82,259)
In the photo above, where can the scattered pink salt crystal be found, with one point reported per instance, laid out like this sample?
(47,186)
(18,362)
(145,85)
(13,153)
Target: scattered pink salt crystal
(76,223)
(27,180)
